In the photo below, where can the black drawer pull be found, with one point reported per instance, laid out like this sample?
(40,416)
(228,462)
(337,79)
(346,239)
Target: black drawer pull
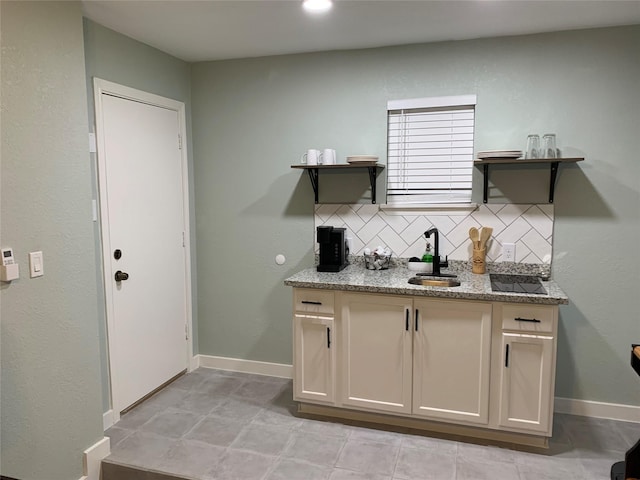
(328,337)
(417,314)
(406,322)
(532,320)
(309,302)
(506,357)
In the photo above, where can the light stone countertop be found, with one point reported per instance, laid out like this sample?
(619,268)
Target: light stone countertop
(356,278)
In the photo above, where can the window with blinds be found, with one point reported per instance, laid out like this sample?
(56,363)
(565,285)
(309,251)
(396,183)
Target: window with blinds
(430,150)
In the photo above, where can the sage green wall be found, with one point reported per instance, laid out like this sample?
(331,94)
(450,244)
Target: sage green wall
(50,381)
(120,59)
(253,118)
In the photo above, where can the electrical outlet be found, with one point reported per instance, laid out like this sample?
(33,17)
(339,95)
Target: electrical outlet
(508,252)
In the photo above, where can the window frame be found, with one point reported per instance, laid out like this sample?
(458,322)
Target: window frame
(429,103)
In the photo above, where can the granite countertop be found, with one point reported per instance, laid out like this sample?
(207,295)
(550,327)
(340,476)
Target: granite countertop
(355,278)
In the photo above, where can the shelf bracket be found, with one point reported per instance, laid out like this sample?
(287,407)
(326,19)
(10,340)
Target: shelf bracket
(372,179)
(313,176)
(485,182)
(552,184)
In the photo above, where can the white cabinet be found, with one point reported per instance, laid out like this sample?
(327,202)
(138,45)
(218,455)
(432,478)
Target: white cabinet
(442,364)
(429,358)
(451,360)
(314,347)
(527,367)
(376,342)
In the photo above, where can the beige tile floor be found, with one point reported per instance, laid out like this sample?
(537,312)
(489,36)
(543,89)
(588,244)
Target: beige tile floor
(212,424)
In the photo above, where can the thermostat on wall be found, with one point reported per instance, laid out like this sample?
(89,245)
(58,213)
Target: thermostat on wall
(7,256)
(9,269)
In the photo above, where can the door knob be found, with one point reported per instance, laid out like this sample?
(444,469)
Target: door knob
(120,276)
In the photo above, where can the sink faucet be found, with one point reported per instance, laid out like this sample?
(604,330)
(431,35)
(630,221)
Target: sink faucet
(436,251)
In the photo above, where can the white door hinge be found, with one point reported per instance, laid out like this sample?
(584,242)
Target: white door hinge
(93,147)
(186,332)
(179,142)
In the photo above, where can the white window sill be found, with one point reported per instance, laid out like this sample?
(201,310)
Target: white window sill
(431,209)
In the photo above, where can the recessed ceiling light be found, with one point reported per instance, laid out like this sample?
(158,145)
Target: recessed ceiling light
(317,6)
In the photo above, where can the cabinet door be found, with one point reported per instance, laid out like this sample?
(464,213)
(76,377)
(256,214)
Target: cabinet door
(452,346)
(525,386)
(376,347)
(314,359)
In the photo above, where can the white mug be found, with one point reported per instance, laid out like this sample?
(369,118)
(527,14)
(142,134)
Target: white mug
(312,157)
(328,156)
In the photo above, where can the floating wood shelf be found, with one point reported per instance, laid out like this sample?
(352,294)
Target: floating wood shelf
(553,165)
(313,171)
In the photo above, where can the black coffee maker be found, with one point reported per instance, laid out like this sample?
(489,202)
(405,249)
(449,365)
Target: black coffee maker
(333,249)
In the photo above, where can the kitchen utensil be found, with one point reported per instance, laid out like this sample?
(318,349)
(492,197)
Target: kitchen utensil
(474,235)
(485,234)
(328,156)
(478,263)
(548,146)
(533,146)
(362,159)
(312,157)
(500,154)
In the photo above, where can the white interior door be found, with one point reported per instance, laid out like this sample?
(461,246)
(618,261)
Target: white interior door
(143,217)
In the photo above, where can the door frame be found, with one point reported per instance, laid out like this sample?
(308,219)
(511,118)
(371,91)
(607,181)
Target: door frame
(101,87)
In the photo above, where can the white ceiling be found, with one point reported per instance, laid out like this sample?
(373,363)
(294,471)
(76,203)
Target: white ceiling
(213,30)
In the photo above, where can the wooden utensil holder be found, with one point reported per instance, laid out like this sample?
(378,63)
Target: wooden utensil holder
(478,262)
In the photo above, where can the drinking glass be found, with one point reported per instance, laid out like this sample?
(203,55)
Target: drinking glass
(549,145)
(533,147)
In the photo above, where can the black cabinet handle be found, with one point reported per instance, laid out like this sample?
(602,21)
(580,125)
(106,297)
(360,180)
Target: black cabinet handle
(417,313)
(406,321)
(328,337)
(308,302)
(532,320)
(506,357)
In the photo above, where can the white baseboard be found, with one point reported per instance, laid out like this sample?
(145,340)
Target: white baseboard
(194,362)
(108,419)
(92,458)
(587,408)
(246,366)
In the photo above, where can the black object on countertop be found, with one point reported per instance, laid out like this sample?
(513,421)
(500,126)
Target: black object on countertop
(516,283)
(333,249)
(436,251)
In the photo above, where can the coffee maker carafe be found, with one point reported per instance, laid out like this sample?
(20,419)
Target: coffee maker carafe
(333,249)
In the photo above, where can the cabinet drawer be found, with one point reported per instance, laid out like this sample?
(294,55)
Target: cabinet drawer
(528,318)
(310,300)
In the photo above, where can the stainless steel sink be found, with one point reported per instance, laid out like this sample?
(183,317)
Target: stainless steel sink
(434,282)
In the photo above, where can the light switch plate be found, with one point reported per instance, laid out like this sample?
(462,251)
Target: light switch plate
(36,264)
(508,252)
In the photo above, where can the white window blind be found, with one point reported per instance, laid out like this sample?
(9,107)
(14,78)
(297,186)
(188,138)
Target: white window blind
(430,150)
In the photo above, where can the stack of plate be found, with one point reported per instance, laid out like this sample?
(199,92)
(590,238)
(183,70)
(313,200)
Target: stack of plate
(505,154)
(362,159)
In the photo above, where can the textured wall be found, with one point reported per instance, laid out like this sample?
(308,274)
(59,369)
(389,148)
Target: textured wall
(253,118)
(51,393)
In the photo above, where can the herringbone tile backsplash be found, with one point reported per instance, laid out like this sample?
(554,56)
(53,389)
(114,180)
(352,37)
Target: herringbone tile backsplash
(530,227)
